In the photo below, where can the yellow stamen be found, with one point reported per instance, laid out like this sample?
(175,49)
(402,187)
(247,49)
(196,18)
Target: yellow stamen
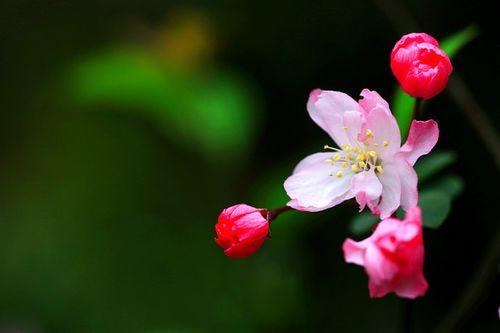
(329,161)
(339,174)
(348,149)
(379,169)
(345,128)
(369,134)
(385,143)
(373,153)
(362,164)
(354,168)
(336,157)
(366,143)
(343,164)
(357,150)
(343,146)
(375,144)
(361,157)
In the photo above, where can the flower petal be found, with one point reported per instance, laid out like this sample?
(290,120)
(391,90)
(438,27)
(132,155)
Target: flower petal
(354,251)
(409,180)
(353,124)
(378,267)
(327,109)
(385,130)
(391,190)
(412,286)
(314,185)
(367,188)
(422,138)
(370,100)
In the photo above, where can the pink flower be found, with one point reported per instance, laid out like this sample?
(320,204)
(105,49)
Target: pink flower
(420,66)
(370,166)
(241,230)
(393,257)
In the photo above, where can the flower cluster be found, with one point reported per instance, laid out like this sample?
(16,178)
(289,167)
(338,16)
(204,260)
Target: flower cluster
(368,164)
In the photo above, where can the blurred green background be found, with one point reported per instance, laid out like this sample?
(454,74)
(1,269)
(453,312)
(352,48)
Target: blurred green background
(126,126)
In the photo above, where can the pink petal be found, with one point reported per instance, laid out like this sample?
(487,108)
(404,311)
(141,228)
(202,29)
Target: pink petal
(422,138)
(327,109)
(312,160)
(391,190)
(314,186)
(412,287)
(409,180)
(354,251)
(353,124)
(379,269)
(370,100)
(385,128)
(367,188)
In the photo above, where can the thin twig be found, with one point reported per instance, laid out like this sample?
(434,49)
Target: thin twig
(273,214)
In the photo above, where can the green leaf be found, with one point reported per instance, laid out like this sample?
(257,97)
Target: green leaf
(431,164)
(454,43)
(452,185)
(403,104)
(436,206)
(362,223)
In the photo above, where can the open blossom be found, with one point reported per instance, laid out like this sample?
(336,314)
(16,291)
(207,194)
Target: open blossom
(420,66)
(393,256)
(370,164)
(241,230)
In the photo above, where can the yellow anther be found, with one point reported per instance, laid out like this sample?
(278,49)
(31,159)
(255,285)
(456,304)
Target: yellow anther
(385,143)
(330,161)
(343,164)
(372,153)
(366,143)
(362,164)
(348,156)
(361,157)
(336,157)
(354,168)
(327,147)
(357,150)
(339,174)
(343,146)
(345,128)
(375,144)
(379,169)
(331,174)
(369,134)
(348,149)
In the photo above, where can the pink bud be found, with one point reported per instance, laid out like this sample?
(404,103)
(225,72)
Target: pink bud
(420,66)
(241,230)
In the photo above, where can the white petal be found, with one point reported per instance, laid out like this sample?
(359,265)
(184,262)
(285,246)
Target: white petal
(314,185)
(327,109)
(391,192)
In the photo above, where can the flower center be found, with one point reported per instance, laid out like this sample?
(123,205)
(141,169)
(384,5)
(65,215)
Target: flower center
(363,156)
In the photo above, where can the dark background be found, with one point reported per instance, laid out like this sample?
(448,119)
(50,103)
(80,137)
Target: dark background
(108,200)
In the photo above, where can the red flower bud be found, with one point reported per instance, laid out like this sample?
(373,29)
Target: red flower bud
(241,230)
(420,66)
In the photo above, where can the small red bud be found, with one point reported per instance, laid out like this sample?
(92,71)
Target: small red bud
(420,66)
(241,230)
